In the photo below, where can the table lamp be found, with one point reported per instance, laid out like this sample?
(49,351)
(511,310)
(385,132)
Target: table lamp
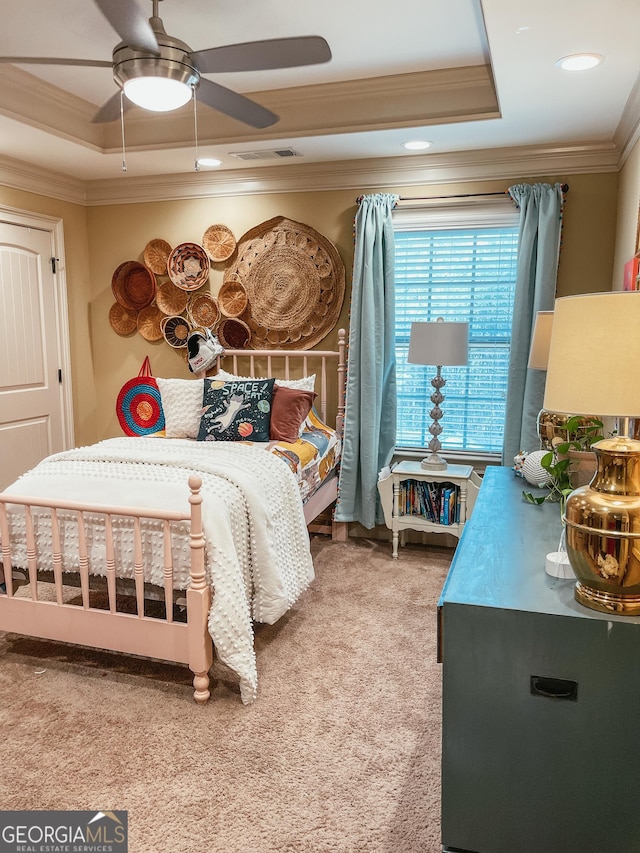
(593,366)
(439,344)
(550,426)
(540,341)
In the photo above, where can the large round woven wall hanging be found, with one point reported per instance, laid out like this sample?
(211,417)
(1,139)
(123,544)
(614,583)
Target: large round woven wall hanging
(295,281)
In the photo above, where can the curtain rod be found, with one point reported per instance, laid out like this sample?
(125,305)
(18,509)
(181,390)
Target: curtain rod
(564,188)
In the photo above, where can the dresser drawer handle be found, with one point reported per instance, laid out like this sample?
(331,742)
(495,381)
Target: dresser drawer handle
(554,688)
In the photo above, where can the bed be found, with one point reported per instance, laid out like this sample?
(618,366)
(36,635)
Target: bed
(168,547)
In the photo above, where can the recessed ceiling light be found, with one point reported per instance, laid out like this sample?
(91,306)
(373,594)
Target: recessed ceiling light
(579,61)
(417,145)
(209,161)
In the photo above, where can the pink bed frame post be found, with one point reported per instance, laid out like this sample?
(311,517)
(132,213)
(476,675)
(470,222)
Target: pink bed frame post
(198,601)
(342,369)
(340,529)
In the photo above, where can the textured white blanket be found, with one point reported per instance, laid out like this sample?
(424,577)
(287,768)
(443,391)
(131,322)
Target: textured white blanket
(257,546)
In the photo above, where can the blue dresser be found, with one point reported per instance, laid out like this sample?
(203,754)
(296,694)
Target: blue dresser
(541,696)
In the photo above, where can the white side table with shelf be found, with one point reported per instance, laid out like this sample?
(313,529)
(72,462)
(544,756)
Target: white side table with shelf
(459,475)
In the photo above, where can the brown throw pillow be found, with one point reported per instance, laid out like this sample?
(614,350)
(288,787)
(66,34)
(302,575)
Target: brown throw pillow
(289,408)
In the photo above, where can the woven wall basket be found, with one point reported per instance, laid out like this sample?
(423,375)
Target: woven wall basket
(232,298)
(233,333)
(171,299)
(123,321)
(176,331)
(188,266)
(149,320)
(155,255)
(203,310)
(295,281)
(133,285)
(219,243)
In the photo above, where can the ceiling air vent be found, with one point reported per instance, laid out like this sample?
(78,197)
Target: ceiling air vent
(272,154)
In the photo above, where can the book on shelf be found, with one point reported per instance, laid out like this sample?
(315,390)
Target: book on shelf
(436,502)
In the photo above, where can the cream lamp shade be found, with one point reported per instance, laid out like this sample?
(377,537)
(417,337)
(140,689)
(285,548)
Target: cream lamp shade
(594,355)
(551,425)
(540,341)
(440,343)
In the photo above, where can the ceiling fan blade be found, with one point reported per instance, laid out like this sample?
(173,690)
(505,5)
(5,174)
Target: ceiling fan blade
(110,110)
(41,60)
(130,23)
(234,105)
(263,55)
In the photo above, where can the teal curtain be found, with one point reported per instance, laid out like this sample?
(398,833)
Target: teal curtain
(370,416)
(540,207)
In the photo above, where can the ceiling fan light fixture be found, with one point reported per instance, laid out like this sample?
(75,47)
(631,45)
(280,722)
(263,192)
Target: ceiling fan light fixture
(159,94)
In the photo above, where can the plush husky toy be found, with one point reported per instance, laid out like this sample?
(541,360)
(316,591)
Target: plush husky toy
(203,348)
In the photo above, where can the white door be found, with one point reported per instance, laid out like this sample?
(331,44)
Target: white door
(31,400)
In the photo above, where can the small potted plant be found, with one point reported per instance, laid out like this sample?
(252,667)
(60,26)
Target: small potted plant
(559,484)
(582,459)
(571,463)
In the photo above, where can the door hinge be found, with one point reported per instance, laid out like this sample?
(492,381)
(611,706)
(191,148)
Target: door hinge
(54,261)
(60,376)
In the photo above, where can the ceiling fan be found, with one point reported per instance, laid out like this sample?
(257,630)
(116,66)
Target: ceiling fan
(148,57)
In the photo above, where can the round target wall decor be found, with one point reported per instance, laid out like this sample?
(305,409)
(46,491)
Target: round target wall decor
(139,405)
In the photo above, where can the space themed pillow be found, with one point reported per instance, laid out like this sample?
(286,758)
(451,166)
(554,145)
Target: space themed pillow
(236,410)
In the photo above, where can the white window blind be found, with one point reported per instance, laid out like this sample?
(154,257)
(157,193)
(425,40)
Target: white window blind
(459,265)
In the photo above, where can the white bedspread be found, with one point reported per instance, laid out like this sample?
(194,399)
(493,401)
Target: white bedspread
(257,546)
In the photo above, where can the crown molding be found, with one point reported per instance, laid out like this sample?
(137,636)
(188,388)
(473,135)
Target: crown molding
(376,103)
(359,175)
(418,98)
(31,100)
(19,175)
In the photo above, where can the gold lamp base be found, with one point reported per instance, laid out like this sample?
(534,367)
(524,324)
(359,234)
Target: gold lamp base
(608,602)
(603,530)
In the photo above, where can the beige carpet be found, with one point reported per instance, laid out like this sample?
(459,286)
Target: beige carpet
(340,753)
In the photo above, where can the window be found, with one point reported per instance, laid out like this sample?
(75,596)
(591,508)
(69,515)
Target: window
(458,264)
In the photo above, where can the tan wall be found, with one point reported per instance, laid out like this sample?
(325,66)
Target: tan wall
(589,223)
(74,221)
(120,233)
(628,218)
(588,234)
(98,239)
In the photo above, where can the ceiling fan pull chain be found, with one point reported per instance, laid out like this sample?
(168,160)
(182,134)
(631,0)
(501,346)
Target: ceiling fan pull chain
(124,162)
(195,127)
